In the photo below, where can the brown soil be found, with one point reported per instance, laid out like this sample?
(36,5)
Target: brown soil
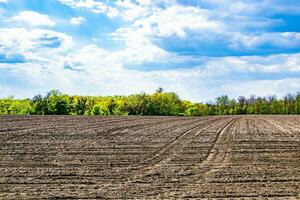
(78,157)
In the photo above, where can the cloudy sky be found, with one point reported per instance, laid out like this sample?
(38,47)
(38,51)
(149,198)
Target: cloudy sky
(200,49)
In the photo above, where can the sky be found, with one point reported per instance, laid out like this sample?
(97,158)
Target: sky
(200,49)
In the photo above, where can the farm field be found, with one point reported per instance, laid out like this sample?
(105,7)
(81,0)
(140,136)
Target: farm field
(79,157)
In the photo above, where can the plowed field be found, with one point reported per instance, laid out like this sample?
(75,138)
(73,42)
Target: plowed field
(77,157)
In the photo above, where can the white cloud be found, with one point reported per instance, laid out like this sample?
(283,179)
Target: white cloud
(251,7)
(161,23)
(39,80)
(33,44)
(106,73)
(3,1)
(126,9)
(276,39)
(33,19)
(174,20)
(163,19)
(132,10)
(77,20)
(93,6)
(95,71)
(194,25)
(93,58)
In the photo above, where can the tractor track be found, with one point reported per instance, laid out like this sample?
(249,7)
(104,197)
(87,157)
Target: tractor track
(220,157)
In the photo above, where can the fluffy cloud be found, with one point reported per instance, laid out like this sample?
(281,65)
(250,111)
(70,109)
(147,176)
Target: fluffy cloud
(77,20)
(185,29)
(248,7)
(92,5)
(132,10)
(103,79)
(92,70)
(98,68)
(203,44)
(126,9)
(20,44)
(176,20)
(285,40)
(33,19)
(94,58)
(202,27)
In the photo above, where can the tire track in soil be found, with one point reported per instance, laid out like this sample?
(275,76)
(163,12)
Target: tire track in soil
(217,155)
(175,144)
(218,161)
(178,144)
(162,156)
(281,128)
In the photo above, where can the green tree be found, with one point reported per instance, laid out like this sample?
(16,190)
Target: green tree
(234,108)
(57,103)
(163,104)
(242,109)
(158,103)
(223,105)
(21,107)
(78,105)
(137,104)
(39,105)
(5,105)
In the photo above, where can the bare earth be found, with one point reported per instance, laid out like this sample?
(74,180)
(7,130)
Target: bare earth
(239,157)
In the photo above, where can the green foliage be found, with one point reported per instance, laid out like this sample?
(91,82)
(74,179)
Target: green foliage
(136,104)
(57,103)
(163,104)
(197,110)
(78,105)
(11,106)
(158,103)
(223,105)
(97,110)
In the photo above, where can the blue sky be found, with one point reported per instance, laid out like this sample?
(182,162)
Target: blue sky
(200,49)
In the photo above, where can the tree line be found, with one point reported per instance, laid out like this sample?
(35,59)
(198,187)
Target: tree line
(158,103)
